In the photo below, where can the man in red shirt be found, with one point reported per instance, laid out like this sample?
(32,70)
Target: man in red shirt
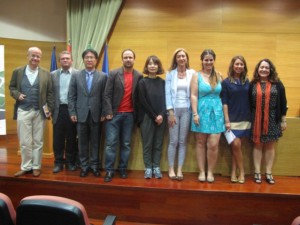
(119,111)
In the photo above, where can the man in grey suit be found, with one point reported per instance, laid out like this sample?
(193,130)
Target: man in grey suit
(120,112)
(85,108)
(31,87)
(64,130)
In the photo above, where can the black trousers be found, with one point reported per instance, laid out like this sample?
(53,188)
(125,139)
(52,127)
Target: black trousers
(64,138)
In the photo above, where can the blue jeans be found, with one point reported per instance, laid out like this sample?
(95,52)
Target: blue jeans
(118,130)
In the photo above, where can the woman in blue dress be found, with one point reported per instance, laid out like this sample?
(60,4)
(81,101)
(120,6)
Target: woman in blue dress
(208,118)
(237,113)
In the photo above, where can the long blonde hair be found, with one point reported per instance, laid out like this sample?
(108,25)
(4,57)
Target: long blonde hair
(174,63)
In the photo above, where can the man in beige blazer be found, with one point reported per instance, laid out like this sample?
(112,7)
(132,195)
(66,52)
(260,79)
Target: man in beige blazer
(31,87)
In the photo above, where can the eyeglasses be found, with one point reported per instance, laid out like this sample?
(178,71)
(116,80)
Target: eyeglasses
(89,57)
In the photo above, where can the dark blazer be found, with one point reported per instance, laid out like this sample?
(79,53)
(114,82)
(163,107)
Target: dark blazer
(114,90)
(80,101)
(281,102)
(45,88)
(55,75)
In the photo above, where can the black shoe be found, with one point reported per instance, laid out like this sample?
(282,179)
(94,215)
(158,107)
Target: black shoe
(96,172)
(257,178)
(71,167)
(108,176)
(57,168)
(123,174)
(84,173)
(269,178)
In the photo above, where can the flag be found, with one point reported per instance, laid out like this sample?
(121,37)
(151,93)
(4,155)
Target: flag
(69,47)
(105,67)
(53,65)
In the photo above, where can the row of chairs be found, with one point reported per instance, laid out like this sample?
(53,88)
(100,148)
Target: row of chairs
(45,210)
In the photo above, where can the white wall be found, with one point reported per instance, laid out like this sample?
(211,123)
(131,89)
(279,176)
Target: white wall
(38,20)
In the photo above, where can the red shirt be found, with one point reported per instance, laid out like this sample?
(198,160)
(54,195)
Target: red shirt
(126,102)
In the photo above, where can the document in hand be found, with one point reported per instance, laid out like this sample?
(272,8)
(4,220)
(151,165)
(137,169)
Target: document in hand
(229,135)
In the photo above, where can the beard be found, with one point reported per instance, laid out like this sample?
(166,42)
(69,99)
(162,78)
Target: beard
(128,65)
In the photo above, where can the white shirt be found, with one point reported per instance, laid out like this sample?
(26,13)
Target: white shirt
(31,74)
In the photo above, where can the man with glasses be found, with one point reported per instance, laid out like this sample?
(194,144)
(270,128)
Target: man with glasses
(119,110)
(31,87)
(64,130)
(85,108)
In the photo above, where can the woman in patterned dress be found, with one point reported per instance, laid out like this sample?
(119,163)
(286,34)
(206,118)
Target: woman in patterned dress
(237,114)
(208,118)
(269,107)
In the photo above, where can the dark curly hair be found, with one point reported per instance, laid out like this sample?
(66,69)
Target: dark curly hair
(273,77)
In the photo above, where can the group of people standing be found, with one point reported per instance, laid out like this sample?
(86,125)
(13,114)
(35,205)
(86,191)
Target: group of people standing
(201,102)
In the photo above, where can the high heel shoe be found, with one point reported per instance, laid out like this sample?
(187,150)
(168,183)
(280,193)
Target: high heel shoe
(180,177)
(202,177)
(241,181)
(234,180)
(210,179)
(172,177)
(257,178)
(269,178)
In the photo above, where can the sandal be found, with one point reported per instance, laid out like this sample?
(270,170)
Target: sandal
(257,178)
(269,178)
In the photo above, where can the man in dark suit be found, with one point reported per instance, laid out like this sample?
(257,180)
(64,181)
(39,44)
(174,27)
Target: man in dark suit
(85,108)
(119,110)
(64,130)
(31,87)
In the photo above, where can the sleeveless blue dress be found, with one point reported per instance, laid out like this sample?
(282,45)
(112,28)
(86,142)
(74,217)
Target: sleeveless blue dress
(210,109)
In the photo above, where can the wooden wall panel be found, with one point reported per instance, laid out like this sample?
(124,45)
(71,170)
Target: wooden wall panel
(165,16)
(255,29)
(269,16)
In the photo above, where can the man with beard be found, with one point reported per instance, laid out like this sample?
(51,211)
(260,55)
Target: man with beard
(119,110)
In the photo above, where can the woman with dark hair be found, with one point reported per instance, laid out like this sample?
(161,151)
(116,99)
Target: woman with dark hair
(269,107)
(237,112)
(152,115)
(208,118)
(178,104)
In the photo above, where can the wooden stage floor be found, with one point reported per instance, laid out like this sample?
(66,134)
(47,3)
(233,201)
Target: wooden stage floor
(154,201)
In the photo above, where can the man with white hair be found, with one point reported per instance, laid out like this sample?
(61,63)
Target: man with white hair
(31,87)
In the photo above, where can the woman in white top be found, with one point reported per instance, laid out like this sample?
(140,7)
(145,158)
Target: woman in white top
(178,104)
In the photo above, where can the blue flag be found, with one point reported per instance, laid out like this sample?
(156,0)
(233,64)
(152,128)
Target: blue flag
(53,65)
(105,67)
